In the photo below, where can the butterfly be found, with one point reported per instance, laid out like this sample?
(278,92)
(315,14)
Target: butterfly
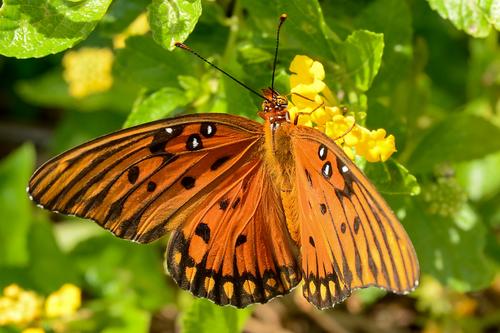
(253,209)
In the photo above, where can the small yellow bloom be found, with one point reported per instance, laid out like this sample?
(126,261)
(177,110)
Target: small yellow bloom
(139,26)
(307,76)
(88,71)
(12,291)
(311,103)
(63,302)
(33,330)
(18,306)
(376,146)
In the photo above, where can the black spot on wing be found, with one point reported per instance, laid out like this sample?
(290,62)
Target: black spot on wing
(311,241)
(188,182)
(326,170)
(357,222)
(236,202)
(162,136)
(217,164)
(203,230)
(208,130)
(322,152)
(133,174)
(241,240)
(308,176)
(223,204)
(194,142)
(151,186)
(322,208)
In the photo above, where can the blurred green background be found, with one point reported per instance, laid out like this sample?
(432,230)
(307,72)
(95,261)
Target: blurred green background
(426,71)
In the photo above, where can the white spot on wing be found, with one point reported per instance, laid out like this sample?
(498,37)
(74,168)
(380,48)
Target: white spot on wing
(345,169)
(326,170)
(322,152)
(169,130)
(209,129)
(40,206)
(195,142)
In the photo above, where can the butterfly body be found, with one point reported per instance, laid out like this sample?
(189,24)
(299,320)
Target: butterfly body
(253,209)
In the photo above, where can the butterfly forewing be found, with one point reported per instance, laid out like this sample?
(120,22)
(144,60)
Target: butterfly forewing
(349,236)
(236,249)
(137,182)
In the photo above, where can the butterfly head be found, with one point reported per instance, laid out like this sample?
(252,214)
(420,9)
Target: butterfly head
(274,107)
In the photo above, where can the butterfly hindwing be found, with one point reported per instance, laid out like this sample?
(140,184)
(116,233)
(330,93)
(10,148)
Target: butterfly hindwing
(138,182)
(349,236)
(236,250)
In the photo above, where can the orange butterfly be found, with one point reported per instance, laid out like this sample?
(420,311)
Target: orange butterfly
(254,209)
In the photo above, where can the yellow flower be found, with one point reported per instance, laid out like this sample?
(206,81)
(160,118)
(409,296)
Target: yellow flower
(376,146)
(139,26)
(307,76)
(18,306)
(64,301)
(33,330)
(88,71)
(312,103)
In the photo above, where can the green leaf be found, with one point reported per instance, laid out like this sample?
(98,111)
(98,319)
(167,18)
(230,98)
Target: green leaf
(480,177)
(360,56)
(144,62)
(131,319)
(49,268)
(38,28)
(392,178)
(114,267)
(305,27)
(203,316)
(78,127)
(173,21)
(450,249)
(457,138)
(15,214)
(156,105)
(473,17)
(397,29)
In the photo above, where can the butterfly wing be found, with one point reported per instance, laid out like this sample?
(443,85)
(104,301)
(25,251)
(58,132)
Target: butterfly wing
(349,236)
(141,182)
(236,249)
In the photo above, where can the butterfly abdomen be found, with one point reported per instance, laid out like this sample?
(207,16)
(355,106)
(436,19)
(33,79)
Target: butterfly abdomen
(280,161)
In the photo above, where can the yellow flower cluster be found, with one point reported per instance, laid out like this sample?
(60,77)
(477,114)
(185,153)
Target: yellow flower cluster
(88,71)
(314,105)
(21,308)
(139,26)
(64,301)
(18,306)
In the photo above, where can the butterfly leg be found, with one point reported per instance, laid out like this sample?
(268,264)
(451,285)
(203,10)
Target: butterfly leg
(298,114)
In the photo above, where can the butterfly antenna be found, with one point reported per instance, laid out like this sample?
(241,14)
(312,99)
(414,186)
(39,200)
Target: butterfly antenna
(282,20)
(187,48)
